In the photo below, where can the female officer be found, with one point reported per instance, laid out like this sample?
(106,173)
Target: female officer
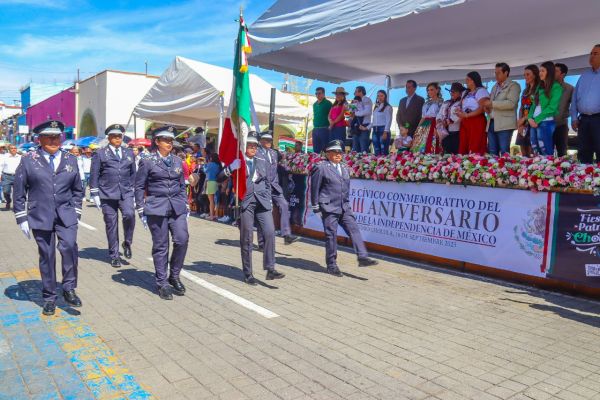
(164,209)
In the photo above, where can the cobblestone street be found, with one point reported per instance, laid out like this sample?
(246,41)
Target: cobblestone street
(395,331)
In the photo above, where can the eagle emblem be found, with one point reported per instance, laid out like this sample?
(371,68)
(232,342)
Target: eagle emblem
(69,168)
(54,124)
(170,129)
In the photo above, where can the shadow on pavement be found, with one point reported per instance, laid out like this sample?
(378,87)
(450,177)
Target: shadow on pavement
(312,266)
(236,243)
(97,254)
(573,308)
(134,277)
(225,271)
(31,290)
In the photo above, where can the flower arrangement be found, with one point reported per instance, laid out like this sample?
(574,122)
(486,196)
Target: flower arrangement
(539,173)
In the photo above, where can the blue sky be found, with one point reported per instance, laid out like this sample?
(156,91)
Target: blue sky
(48,40)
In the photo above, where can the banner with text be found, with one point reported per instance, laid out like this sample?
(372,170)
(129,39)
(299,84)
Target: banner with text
(577,240)
(499,228)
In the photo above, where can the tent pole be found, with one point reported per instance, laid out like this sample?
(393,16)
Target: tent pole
(272,112)
(221,107)
(388,85)
(306,134)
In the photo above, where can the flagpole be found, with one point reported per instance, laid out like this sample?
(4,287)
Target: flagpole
(237,175)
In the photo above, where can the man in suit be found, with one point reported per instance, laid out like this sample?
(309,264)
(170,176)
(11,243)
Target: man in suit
(47,203)
(330,199)
(272,157)
(112,178)
(410,109)
(256,206)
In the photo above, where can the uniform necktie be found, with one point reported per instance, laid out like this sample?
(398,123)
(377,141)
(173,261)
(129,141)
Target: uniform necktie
(251,168)
(52,156)
(168,161)
(118,153)
(339,169)
(269,155)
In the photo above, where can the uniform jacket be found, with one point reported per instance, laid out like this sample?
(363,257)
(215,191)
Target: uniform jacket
(329,190)
(505,102)
(164,187)
(41,194)
(258,187)
(273,165)
(410,115)
(111,178)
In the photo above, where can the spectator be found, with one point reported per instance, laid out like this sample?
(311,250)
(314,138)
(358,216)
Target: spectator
(545,108)
(472,136)
(362,115)
(77,153)
(136,157)
(561,132)
(382,122)
(449,120)
(8,167)
(298,147)
(585,110)
(403,142)
(532,82)
(504,101)
(337,121)
(86,161)
(320,133)
(199,196)
(212,170)
(425,139)
(2,155)
(409,109)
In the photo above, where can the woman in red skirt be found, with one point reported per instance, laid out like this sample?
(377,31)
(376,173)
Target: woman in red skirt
(473,136)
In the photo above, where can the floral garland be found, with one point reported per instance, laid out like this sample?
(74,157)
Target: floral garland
(540,173)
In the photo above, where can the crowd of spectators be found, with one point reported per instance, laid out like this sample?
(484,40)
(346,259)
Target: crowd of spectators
(472,119)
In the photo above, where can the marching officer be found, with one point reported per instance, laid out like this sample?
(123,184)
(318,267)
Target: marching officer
(256,205)
(112,177)
(272,157)
(164,209)
(330,199)
(47,204)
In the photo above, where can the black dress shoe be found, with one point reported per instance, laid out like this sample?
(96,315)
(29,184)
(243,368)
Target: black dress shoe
(335,272)
(126,250)
(165,293)
(115,263)
(178,287)
(272,274)
(289,239)
(49,308)
(366,262)
(71,298)
(250,280)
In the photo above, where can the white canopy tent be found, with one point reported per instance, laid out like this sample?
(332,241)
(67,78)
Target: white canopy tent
(189,93)
(424,40)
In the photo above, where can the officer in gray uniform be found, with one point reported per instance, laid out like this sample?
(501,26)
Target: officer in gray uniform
(272,157)
(112,177)
(330,198)
(161,199)
(256,205)
(48,196)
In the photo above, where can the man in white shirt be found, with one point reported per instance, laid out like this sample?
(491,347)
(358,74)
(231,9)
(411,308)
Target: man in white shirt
(2,155)
(8,167)
(86,162)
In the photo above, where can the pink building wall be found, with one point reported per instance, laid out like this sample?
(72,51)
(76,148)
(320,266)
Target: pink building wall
(59,107)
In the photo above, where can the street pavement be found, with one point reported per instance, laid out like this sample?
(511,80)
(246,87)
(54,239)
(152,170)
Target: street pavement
(399,330)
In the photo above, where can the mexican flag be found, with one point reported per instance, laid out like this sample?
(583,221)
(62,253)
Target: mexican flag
(239,115)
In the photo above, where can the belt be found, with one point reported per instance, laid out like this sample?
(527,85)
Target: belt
(6,173)
(590,115)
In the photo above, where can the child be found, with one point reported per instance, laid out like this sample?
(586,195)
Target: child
(403,141)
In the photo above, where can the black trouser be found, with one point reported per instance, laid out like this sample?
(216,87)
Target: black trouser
(588,137)
(450,143)
(561,139)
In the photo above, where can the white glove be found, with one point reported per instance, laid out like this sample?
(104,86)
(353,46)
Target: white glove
(145,221)
(25,229)
(96,200)
(236,164)
(317,211)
